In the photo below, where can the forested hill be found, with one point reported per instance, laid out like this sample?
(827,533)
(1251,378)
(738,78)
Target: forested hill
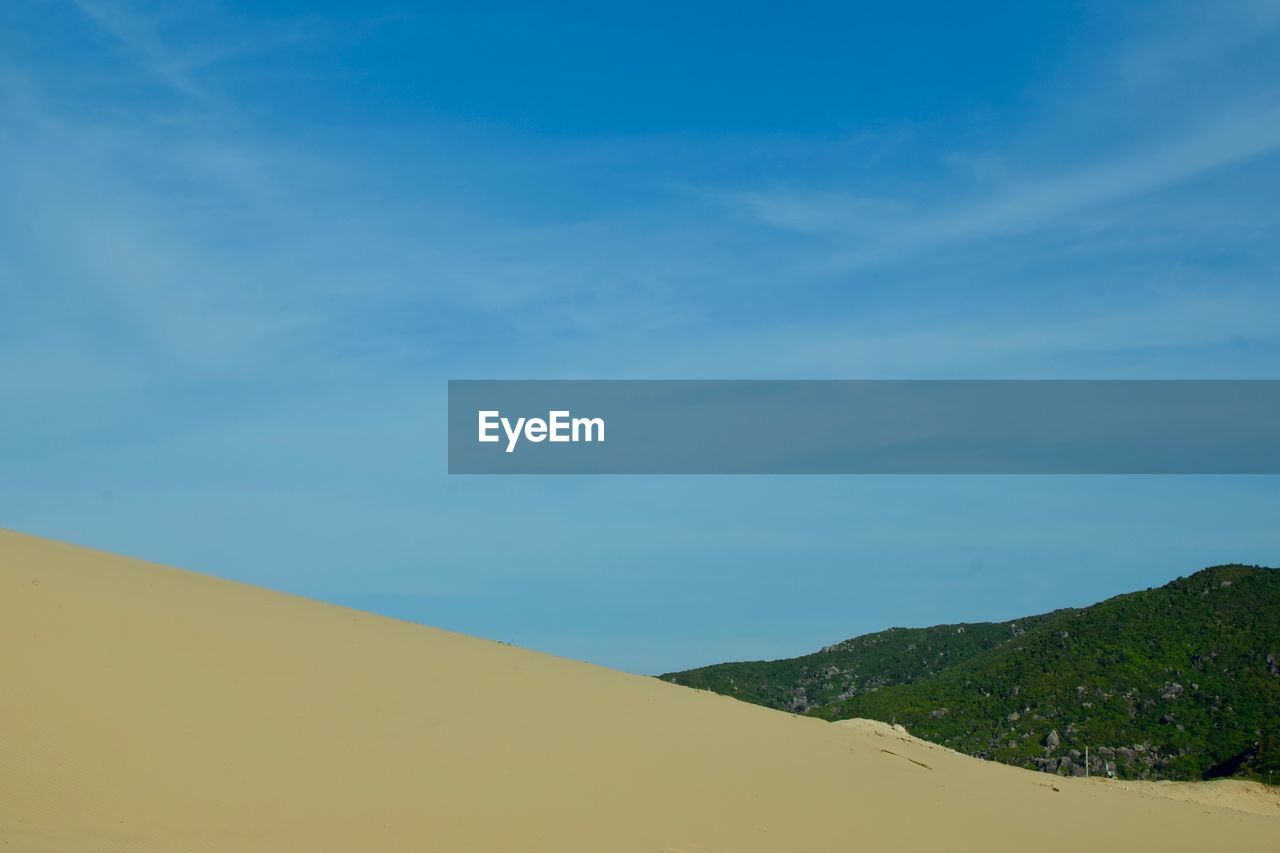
(853,667)
(1179,682)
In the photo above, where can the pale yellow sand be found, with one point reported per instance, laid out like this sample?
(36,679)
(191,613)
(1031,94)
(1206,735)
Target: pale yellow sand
(148,709)
(1234,794)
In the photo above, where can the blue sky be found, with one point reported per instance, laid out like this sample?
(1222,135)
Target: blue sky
(243,246)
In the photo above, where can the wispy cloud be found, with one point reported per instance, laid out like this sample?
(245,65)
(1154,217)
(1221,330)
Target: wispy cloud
(1177,101)
(1180,336)
(1191,36)
(138,35)
(883,230)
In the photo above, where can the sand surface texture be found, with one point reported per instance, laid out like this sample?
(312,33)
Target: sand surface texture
(144,708)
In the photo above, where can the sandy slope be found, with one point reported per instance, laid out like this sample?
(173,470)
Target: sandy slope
(143,708)
(1234,794)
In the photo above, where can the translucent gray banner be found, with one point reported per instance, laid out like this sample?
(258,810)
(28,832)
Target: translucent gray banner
(864,427)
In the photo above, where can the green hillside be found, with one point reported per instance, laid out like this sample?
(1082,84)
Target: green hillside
(856,666)
(1180,682)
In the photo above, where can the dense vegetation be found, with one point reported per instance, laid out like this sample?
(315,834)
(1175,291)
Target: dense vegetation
(854,667)
(1180,682)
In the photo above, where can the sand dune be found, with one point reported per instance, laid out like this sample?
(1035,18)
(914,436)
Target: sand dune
(148,709)
(1234,794)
